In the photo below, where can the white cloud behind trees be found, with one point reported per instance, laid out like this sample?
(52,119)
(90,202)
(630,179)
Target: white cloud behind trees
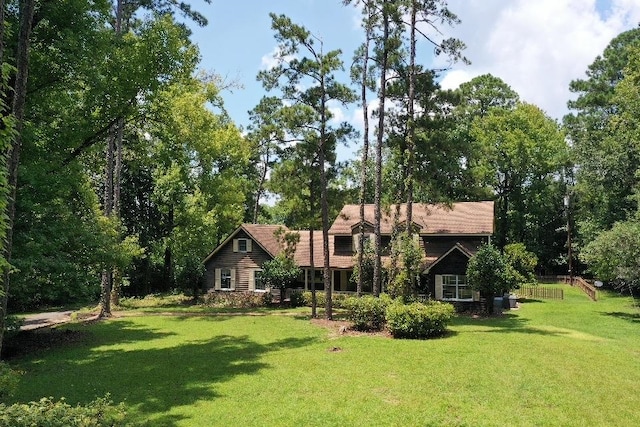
(537,47)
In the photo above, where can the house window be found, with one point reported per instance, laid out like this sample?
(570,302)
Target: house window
(258,283)
(225,278)
(242,245)
(454,287)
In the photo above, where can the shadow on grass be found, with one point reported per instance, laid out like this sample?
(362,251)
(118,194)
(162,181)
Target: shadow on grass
(150,381)
(529,300)
(506,323)
(631,317)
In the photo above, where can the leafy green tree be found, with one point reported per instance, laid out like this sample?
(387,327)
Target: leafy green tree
(405,271)
(282,271)
(516,154)
(605,155)
(613,255)
(310,85)
(521,264)
(197,159)
(11,152)
(487,273)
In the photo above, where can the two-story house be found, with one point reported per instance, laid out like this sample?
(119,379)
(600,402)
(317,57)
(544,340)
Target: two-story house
(449,236)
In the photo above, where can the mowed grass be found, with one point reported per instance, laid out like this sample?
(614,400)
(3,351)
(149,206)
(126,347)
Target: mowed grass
(569,362)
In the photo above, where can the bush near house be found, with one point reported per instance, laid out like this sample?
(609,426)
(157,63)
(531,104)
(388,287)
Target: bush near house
(418,320)
(237,299)
(367,313)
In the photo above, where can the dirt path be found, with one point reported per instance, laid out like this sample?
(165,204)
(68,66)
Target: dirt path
(42,320)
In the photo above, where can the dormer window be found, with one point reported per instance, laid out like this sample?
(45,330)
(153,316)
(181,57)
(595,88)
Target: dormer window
(241,245)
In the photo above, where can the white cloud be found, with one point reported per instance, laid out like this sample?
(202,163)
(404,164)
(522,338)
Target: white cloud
(536,47)
(273,59)
(455,78)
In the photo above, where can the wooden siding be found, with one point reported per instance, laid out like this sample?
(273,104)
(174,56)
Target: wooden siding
(244,263)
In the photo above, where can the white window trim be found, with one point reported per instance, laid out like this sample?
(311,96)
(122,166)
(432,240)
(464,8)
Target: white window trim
(232,279)
(441,284)
(252,282)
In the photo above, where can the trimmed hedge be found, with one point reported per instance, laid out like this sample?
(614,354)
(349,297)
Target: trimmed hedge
(418,320)
(46,412)
(237,299)
(367,313)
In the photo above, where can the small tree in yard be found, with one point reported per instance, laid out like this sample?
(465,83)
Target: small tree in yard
(282,271)
(487,273)
(520,264)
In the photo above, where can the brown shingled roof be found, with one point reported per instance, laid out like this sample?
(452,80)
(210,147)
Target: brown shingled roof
(302,257)
(464,218)
(264,235)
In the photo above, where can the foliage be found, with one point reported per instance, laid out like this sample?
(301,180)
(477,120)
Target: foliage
(605,150)
(405,269)
(487,273)
(50,413)
(418,320)
(245,299)
(154,300)
(520,263)
(367,313)
(368,260)
(282,271)
(517,153)
(613,255)
(296,298)
(8,381)
(320,298)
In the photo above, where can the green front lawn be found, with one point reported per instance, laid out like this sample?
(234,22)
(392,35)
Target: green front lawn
(569,362)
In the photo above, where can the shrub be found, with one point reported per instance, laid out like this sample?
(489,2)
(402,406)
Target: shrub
(46,412)
(366,313)
(418,320)
(8,381)
(154,301)
(339,300)
(236,299)
(296,298)
(320,298)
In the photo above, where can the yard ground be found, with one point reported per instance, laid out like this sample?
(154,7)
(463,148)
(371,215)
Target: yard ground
(570,362)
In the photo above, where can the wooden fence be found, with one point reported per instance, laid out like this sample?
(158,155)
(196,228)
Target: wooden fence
(542,292)
(578,281)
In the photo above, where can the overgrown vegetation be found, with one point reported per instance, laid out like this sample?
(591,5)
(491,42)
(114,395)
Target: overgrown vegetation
(101,412)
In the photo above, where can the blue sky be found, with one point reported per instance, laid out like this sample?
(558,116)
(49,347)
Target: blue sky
(537,47)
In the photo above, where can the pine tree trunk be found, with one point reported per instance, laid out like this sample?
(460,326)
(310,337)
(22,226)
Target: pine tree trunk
(377,266)
(410,157)
(365,152)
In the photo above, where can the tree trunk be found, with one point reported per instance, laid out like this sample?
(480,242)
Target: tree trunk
(384,63)
(13,154)
(106,282)
(365,150)
(324,203)
(314,301)
(260,191)
(410,157)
